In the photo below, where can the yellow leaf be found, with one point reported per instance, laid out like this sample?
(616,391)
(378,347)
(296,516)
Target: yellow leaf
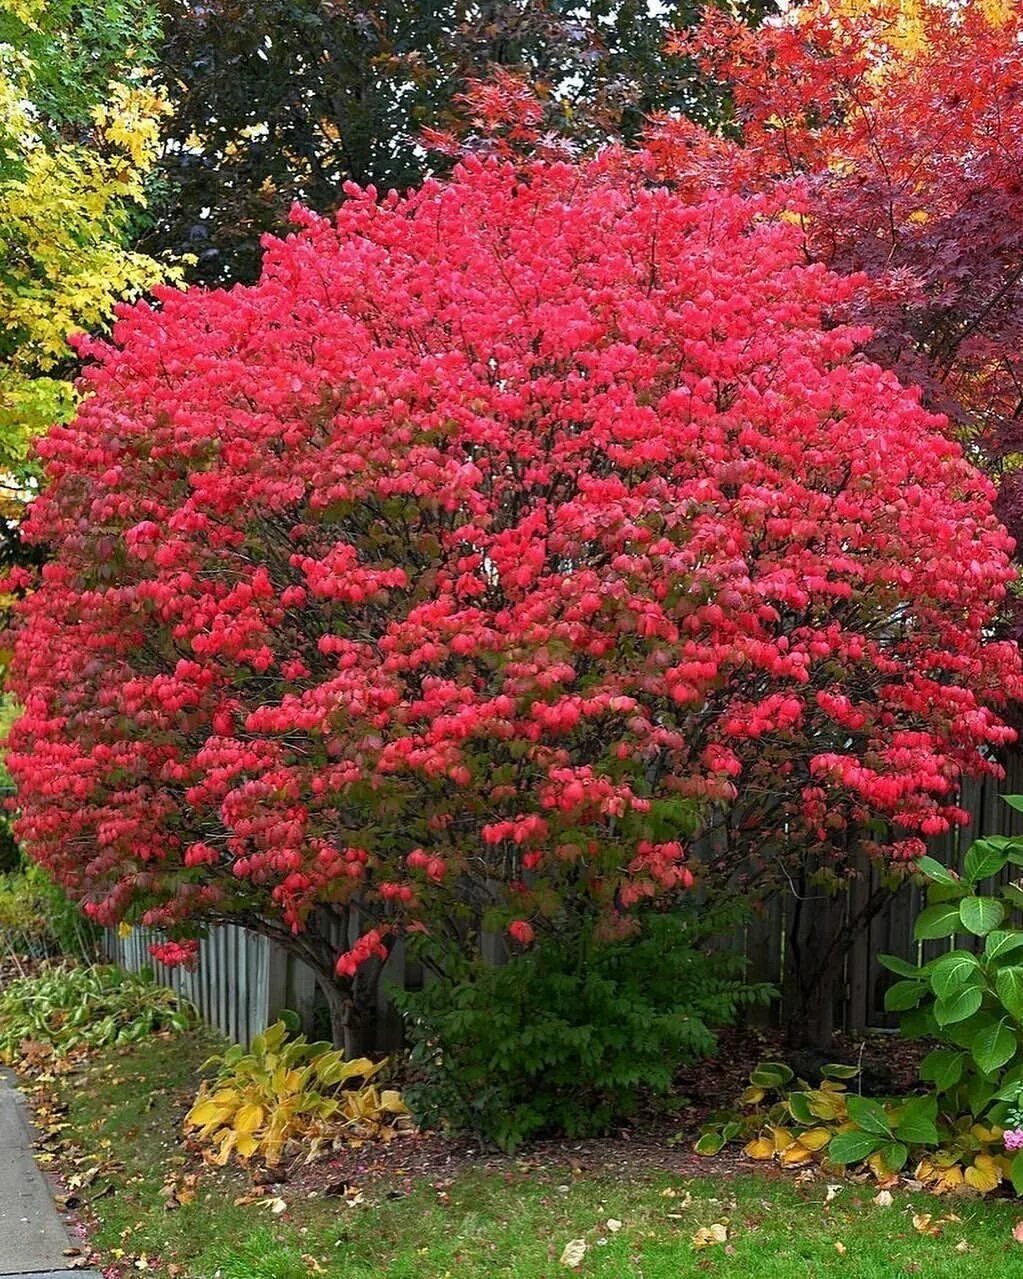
(815,1138)
(794,1155)
(248,1118)
(707,1236)
(206,1112)
(760,1148)
(984,1175)
(752,1096)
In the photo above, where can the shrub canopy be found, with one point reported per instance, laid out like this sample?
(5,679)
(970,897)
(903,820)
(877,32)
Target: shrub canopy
(499,540)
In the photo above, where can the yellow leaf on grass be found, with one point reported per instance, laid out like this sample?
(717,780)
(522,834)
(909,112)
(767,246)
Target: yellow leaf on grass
(707,1236)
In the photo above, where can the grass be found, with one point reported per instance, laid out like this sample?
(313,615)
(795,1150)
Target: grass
(125,1117)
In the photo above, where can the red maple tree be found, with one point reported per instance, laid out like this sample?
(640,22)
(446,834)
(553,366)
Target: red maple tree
(902,123)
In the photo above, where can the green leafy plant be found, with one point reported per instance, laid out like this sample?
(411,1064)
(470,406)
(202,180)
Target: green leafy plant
(65,1007)
(285,1090)
(783,1118)
(571,1034)
(970,998)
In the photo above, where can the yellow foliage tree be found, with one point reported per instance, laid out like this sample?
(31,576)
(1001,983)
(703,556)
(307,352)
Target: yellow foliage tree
(74,155)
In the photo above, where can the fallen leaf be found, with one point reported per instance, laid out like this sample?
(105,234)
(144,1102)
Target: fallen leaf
(613,1225)
(883,1199)
(707,1236)
(924,1222)
(962,1246)
(840,1247)
(831,1193)
(572,1254)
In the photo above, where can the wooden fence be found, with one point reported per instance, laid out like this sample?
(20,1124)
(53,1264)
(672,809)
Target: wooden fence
(243,981)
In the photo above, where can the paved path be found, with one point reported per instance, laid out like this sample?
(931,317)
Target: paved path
(32,1235)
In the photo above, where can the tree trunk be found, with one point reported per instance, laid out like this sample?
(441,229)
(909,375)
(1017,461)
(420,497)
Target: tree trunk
(353,1013)
(815,965)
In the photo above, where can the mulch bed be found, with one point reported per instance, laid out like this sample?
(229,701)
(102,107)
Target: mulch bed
(657,1142)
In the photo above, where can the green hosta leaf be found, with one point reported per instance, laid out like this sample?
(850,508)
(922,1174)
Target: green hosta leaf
(903,995)
(770,1074)
(933,869)
(937,921)
(960,1005)
(1009,988)
(868,1115)
(917,1122)
(711,1143)
(838,1070)
(799,1107)
(1016,1173)
(1003,942)
(943,1068)
(901,967)
(981,914)
(983,859)
(950,972)
(1014,801)
(994,1046)
(854,1147)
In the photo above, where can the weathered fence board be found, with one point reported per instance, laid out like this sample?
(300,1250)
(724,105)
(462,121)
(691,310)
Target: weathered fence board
(243,980)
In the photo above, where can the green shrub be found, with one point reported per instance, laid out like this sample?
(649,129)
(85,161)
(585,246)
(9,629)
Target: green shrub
(37,919)
(570,1035)
(67,1006)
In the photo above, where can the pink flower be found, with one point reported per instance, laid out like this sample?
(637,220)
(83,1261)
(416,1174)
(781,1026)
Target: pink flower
(1013,1138)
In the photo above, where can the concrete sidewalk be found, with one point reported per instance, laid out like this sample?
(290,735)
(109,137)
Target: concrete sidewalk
(33,1238)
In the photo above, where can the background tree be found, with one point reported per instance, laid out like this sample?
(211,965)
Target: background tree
(288,99)
(78,132)
(902,120)
(510,553)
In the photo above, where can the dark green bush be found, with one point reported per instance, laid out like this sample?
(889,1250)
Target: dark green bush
(570,1036)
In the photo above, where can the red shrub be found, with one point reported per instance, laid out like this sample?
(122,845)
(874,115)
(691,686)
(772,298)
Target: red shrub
(493,542)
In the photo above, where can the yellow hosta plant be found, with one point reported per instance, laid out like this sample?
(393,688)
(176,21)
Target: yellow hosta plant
(286,1091)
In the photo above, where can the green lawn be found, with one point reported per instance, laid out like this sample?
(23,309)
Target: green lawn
(125,1115)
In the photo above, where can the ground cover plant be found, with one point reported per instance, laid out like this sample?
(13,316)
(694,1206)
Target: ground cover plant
(66,1006)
